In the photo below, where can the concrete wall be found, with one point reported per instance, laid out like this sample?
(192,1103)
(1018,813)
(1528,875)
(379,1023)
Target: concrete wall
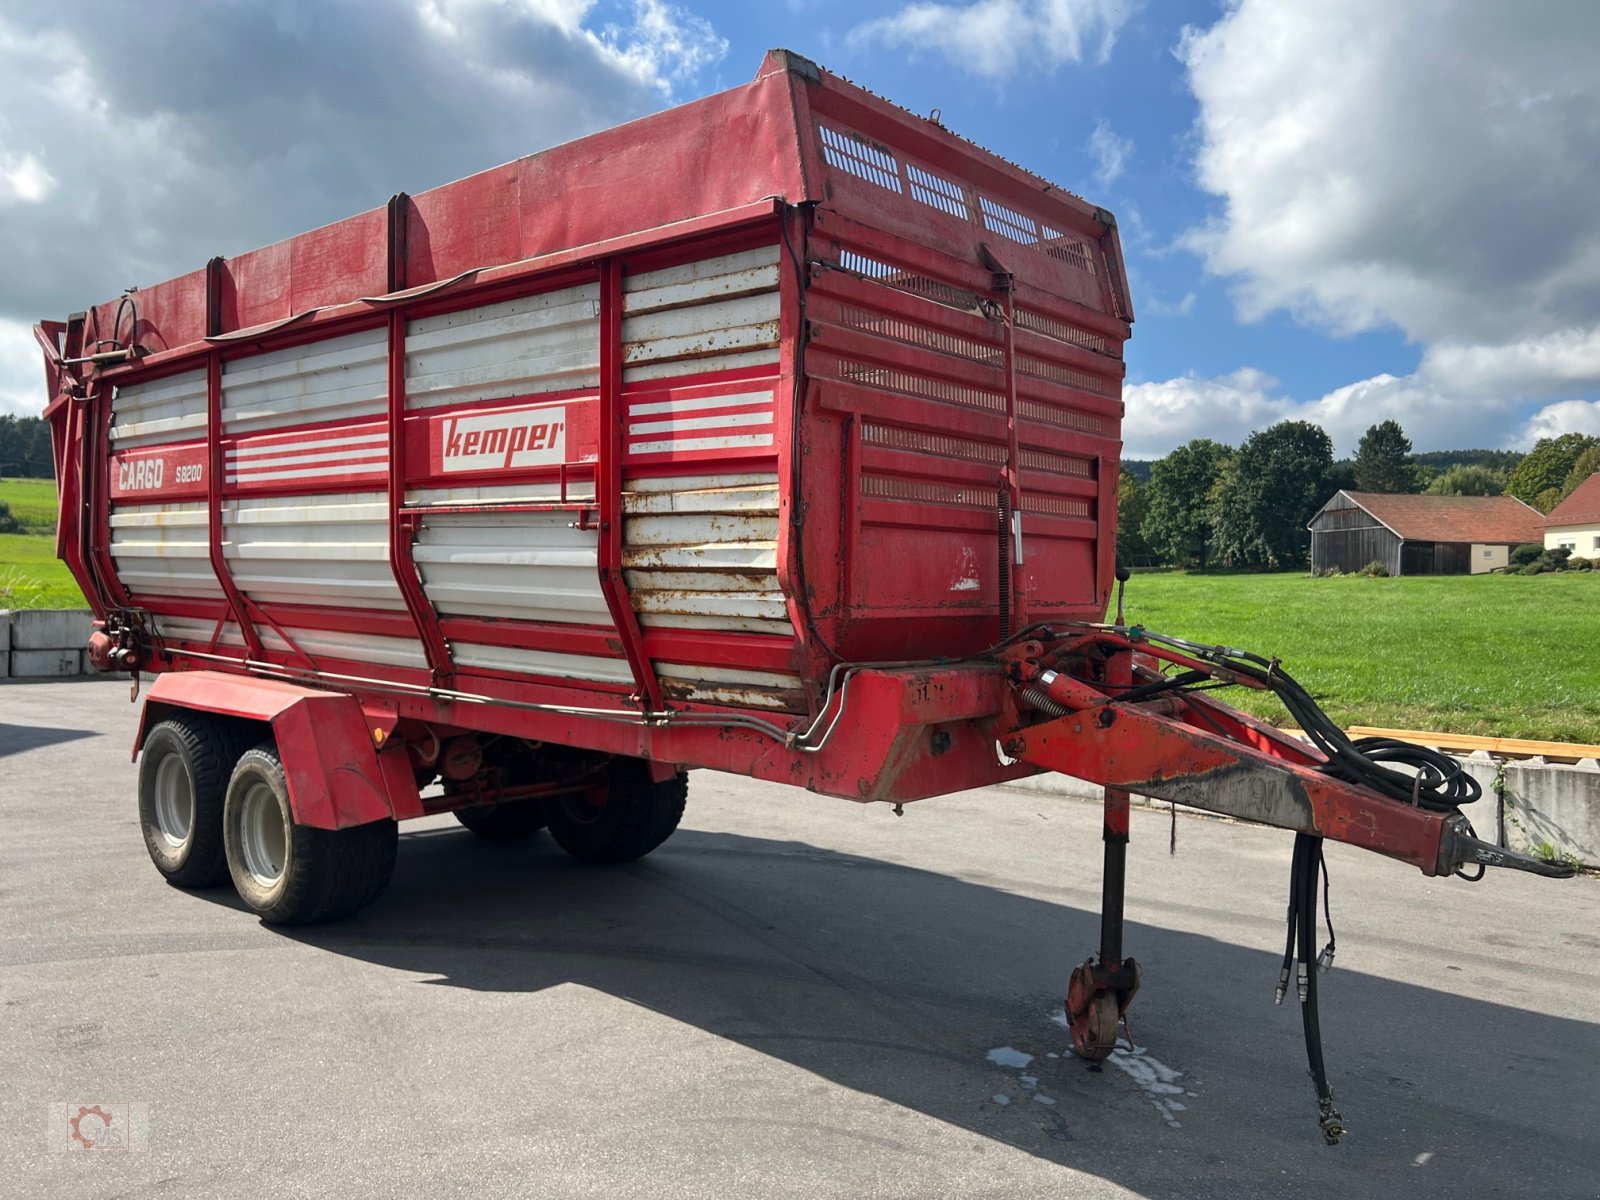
(1545,803)
(44,643)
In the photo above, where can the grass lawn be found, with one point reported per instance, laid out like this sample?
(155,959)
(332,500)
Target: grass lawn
(30,574)
(33,503)
(32,577)
(1501,655)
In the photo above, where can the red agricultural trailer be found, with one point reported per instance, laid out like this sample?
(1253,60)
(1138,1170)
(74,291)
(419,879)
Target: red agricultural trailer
(776,433)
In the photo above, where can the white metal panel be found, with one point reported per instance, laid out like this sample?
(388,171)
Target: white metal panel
(197,629)
(165,410)
(533,344)
(730,685)
(524,566)
(164,549)
(335,379)
(541,662)
(701,552)
(314,643)
(356,647)
(709,315)
(325,549)
(578,491)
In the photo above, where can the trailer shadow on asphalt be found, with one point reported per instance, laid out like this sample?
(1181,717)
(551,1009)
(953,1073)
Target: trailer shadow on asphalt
(15,739)
(895,982)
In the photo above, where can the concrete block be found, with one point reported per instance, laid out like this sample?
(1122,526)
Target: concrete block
(44,664)
(50,628)
(5,632)
(1550,802)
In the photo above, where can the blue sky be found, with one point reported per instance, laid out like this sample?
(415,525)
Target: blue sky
(1338,210)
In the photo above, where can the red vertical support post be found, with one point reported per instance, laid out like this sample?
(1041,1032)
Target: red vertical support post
(608,488)
(215,477)
(401,563)
(97,493)
(1019,586)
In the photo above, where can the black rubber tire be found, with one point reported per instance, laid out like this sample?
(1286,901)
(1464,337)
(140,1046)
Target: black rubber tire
(637,816)
(504,823)
(326,873)
(207,749)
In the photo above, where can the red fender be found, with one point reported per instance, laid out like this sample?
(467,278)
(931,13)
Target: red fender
(329,743)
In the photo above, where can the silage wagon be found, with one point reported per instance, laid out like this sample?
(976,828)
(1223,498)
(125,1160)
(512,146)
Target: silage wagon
(777,433)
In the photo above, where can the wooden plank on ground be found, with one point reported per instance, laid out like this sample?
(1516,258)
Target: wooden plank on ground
(1467,742)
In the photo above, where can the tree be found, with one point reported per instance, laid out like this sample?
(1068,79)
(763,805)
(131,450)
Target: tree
(1545,470)
(1383,460)
(1268,493)
(1585,465)
(25,447)
(1469,480)
(1177,523)
(1133,500)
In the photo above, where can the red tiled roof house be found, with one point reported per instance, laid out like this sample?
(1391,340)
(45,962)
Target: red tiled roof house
(1575,522)
(1421,535)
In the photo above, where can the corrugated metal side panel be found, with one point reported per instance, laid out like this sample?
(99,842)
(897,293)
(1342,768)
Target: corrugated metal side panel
(195,629)
(338,379)
(330,548)
(711,315)
(701,552)
(354,647)
(314,643)
(165,410)
(541,662)
(522,566)
(163,549)
(533,344)
(731,686)
(578,490)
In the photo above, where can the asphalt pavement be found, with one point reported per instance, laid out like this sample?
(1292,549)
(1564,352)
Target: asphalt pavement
(795,996)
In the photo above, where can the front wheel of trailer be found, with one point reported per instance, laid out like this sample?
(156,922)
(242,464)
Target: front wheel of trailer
(293,874)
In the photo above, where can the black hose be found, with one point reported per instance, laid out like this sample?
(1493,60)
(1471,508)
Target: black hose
(1308,855)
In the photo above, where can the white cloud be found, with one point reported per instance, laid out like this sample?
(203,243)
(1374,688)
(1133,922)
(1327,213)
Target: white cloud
(1155,305)
(1565,416)
(23,180)
(1430,166)
(665,44)
(1228,408)
(1110,151)
(999,38)
(21,369)
(169,139)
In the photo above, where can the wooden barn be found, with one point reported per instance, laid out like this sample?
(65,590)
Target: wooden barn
(1421,535)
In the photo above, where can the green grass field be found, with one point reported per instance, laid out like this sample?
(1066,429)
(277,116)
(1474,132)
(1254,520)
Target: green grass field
(33,503)
(1501,655)
(30,574)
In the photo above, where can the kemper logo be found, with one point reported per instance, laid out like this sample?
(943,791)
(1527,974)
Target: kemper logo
(503,440)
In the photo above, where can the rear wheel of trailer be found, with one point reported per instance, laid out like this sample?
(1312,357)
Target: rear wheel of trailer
(293,874)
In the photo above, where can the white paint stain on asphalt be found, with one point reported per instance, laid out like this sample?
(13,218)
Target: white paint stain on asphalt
(1006,1056)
